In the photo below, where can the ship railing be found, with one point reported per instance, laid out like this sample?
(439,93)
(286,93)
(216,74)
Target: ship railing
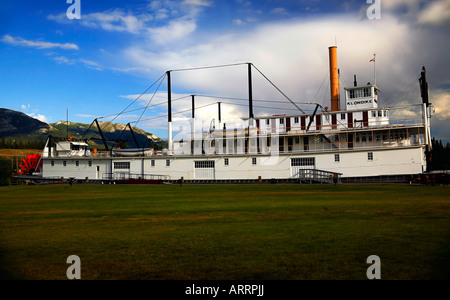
(318,176)
(129,176)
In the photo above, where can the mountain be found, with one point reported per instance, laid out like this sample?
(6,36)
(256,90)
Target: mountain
(17,126)
(17,123)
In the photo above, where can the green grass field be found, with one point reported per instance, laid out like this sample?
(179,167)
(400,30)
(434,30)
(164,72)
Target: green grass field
(230,232)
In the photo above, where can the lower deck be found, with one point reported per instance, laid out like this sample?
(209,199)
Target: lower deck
(355,163)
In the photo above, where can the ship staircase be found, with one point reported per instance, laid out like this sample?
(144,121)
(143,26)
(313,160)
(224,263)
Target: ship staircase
(315,176)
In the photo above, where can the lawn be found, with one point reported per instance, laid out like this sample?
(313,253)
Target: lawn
(225,232)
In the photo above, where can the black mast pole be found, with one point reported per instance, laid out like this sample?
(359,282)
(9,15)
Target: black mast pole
(101,134)
(134,136)
(193,106)
(169,108)
(250,91)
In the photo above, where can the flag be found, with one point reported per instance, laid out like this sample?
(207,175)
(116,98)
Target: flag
(373,59)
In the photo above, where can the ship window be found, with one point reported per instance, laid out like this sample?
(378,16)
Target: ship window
(296,120)
(122,165)
(208,164)
(254,161)
(380,113)
(374,114)
(337,158)
(77,163)
(367,92)
(74,147)
(90,163)
(342,116)
(167,163)
(370,156)
(52,163)
(303,162)
(227,162)
(64,163)
(268,122)
(281,121)
(153,163)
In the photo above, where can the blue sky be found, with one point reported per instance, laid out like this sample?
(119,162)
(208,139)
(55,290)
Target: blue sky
(97,65)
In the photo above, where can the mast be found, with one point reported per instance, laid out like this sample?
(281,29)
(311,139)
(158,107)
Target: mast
(193,125)
(133,135)
(250,92)
(101,134)
(427,114)
(169,99)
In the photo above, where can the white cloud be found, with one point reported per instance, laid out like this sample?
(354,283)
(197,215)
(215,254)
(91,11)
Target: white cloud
(197,2)
(441,101)
(112,20)
(40,117)
(238,22)
(18,41)
(436,13)
(172,32)
(279,11)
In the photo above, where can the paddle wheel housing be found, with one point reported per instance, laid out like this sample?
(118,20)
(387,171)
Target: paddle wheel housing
(32,163)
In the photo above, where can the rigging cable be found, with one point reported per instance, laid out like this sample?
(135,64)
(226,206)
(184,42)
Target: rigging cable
(293,103)
(208,67)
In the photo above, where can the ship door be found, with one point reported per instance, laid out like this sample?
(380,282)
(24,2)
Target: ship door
(350,120)
(350,140)
(300,167)
(306,143)
(366,119)
(205,170)
(97,173)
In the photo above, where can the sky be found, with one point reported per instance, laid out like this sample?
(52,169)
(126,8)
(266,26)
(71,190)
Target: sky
(113,58)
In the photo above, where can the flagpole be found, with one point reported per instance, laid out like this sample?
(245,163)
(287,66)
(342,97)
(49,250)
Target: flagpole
(375,68)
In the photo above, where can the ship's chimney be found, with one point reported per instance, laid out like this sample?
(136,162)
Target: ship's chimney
(355,83)
(334,80)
